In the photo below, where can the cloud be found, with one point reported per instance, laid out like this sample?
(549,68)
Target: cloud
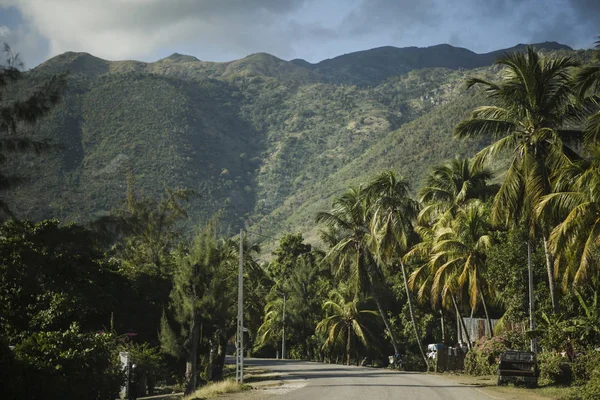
(222,30)
(117,29)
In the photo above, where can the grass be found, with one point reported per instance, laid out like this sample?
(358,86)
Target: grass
(212,390)
(516,392)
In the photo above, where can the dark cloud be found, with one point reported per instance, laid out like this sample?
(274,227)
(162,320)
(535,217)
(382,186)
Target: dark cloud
(314,29)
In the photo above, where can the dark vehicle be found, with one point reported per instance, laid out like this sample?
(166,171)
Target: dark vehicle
(519,367)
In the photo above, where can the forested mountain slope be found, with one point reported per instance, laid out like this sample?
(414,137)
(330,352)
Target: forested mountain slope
(267,141)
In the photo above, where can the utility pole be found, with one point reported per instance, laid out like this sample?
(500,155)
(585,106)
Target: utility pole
(239,364)
(531,299)
(283,332)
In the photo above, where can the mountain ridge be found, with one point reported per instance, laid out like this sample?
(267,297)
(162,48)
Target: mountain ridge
(361,68)
(263,140)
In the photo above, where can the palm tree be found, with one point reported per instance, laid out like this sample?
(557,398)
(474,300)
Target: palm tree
(533,100)
(352,255)
(450,185)
(345,319)
(459,255)
(575,239)
(391,227)
(587,84)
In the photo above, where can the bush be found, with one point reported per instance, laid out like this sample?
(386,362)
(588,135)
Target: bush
(297,352)
(483,358)
(591,390)
(69,365)
(584,365)
(555,369)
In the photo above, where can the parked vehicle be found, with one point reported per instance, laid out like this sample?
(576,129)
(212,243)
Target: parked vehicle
(518,367)
(433,349)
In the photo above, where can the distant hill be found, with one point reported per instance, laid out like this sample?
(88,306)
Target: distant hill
(371,67)
(267,141)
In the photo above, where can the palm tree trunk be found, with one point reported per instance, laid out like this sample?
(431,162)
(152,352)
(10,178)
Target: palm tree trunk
(384,318)
(443,330)
(412,315)
(462,322)
(487,316)
(348,346)
(550,270)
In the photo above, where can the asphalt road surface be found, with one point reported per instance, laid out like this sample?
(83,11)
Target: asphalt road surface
(313,381)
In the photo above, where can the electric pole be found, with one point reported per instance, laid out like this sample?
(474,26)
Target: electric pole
(531,299)
(239,364)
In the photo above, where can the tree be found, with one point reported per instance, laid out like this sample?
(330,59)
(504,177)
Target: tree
(52,275)
(533,101)
(345,319)
(196,270)
(459,255)
(391,227)
(575,239)
(450,185)
(350,217)
(19,111)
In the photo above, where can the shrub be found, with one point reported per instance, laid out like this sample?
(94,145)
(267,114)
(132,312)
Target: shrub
(483,358)
(297,352)
(584,365)
(591,390)
(555,369)
(70,365)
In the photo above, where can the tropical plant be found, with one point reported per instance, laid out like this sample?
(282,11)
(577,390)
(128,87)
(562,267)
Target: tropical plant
(459,255)
(532,102)
(391,227)
(450,185)
(574,240)
(345,319)
(352,254)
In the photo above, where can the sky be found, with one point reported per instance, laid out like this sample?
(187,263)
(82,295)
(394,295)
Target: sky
(224,30)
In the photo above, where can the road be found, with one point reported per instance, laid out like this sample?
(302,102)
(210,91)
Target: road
(313,381)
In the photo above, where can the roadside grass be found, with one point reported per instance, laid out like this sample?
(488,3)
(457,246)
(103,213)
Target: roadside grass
(516,392)
(212,390)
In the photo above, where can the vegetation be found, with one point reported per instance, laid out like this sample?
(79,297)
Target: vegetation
(153,272)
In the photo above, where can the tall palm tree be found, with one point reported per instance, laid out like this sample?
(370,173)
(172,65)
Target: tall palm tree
(345,319)
(352,254)
(450,185)
(459,255)
(391,227)
(587,84)
(575,239)
(532,102)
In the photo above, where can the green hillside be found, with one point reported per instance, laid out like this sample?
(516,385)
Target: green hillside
(266,140)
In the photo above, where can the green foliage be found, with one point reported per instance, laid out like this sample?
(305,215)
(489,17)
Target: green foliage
(584,366)
(555,369)
(483,358)
(52,275)
(70,365)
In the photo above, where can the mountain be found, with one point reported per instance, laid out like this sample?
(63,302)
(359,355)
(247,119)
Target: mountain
(371,67)
(267,141)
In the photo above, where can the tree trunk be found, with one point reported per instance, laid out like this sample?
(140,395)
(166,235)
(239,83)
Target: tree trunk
(191,356)
(348,345)
(384,318)
(218,357)
(462,322)
(550,270)
(443,330)
(487,316)
(219,360)
(412,315)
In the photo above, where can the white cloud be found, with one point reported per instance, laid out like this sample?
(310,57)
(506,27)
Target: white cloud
(117,29)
